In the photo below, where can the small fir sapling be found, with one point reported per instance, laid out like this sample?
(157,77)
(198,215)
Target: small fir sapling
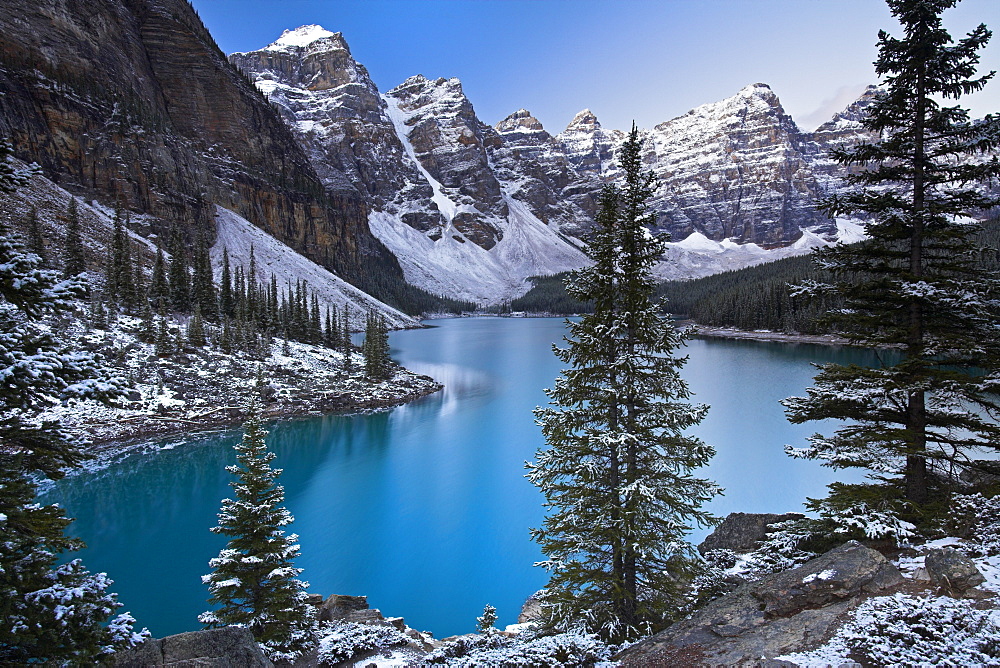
(254,582)
(487,622)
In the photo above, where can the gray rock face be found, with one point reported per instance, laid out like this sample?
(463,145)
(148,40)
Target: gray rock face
(340,119)
(226,647)
(742,532)
(735,170)
(951,570)
(341,607)
(535,170)
(531,611)
(795,610)
(450,142)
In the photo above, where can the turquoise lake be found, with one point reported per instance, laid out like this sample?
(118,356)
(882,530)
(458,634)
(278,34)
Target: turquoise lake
(424,508)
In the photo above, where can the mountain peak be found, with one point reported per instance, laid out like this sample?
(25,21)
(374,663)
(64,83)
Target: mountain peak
(303,36)
(585,121)
(520,121)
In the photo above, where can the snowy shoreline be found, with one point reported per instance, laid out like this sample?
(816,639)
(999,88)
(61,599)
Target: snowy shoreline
(767,335)
(116,436)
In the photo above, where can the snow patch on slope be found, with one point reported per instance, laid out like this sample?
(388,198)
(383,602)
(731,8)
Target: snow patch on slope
(446,205)
(460,269)
(697,256)
(237,235)
(301,36)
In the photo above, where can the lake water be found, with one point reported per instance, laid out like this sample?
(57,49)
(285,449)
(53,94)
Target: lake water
(424,508)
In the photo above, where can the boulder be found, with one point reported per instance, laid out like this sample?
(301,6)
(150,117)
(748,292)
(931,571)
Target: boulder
(951,570)
(791,611)
(742,532)
(339,606)
(226,647)
(531,611)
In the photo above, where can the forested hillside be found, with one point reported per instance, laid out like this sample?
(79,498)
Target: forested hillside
(752,298)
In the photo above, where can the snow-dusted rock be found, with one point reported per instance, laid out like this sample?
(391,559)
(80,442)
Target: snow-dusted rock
(742,532)
(785,612)
(531,611)
(951,570)
(224,647)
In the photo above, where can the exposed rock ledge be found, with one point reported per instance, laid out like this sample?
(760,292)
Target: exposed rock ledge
(767,335)
(791,611)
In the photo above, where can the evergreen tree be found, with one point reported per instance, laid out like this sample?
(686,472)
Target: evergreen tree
(204,288)
(138,282)
(196,329)
(252,298)
(147,326)
(159,288)
(346,347)
(74,260)
(113,262)
(163,344)
(617,474)
(915,283)
(378,363)
(315,326)
(332,334)
(98,314)
(51,613)
(178,277)
(487,623)
(253,580)
(129,298)
(36,240)
(227,303)
(226,339)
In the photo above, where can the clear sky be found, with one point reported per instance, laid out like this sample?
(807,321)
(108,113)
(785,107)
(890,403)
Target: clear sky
(642,60)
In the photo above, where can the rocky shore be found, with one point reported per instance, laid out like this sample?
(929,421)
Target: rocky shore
(798,616)
(766,335)
(199,389)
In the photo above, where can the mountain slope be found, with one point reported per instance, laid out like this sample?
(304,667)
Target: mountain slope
(424,163)
(132,101)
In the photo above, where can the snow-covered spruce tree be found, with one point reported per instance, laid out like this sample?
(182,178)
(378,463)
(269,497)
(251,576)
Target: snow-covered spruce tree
(50,612)
(617,474)
(915,283)
(254,581)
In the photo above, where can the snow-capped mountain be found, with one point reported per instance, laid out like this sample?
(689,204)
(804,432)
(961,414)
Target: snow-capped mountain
(471,210)
(423,159)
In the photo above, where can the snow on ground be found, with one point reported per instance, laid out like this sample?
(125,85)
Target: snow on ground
(237,235)
(199,388)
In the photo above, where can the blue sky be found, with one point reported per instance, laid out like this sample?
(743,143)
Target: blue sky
(642,60)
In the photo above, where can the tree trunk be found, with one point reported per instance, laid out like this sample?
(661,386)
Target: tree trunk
(916,414)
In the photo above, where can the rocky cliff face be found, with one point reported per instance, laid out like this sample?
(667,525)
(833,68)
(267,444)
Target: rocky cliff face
(466,214)
(735,170)
(450,143)
(334,108)
(132,101)
(443,186)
